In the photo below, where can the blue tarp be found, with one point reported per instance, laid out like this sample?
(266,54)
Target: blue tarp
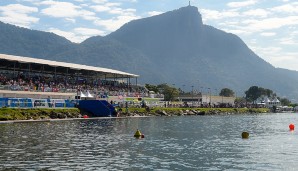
(16,102)
(97,108)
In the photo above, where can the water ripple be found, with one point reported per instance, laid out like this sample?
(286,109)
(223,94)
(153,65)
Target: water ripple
(170,143)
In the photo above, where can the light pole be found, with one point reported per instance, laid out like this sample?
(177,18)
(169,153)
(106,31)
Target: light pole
(198,86)
(172,95)
(209,89)
(191,96)
(216,95)
(222,99)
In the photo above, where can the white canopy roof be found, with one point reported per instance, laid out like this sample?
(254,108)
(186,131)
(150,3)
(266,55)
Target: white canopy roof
(276,100)
(88,94)
(63,64)
(82,94)
(267,100)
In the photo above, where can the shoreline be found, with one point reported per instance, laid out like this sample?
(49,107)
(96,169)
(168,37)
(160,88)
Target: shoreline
(19,115)
(66,119)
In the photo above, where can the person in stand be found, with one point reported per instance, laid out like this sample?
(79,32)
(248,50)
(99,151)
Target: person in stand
(119,112)
(115,113)
(126,107)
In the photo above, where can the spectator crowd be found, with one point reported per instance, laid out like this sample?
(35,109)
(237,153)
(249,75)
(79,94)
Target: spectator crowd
(51,83)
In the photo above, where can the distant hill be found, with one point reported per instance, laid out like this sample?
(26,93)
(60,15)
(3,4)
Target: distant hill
(21,41)
(174,47)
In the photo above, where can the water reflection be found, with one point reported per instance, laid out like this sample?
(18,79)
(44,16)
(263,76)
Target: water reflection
(170,143)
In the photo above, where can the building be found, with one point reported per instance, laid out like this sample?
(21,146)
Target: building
(271,102)
(206,99)
(13,66)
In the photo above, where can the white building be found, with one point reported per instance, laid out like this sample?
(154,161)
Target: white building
(270,103)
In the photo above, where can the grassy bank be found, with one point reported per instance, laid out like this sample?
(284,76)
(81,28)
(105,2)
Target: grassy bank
(26,114)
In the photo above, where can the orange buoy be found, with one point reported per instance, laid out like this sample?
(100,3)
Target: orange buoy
(85,116)
(292,127)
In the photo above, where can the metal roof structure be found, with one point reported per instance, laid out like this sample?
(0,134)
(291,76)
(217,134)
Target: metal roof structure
(73,66)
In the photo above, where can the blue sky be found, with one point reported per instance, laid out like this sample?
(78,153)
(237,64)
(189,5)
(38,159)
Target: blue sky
(268,27)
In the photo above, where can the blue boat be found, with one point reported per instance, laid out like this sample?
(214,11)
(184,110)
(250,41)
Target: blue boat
(97,108)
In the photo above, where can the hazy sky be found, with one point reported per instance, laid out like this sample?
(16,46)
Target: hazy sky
(268,27)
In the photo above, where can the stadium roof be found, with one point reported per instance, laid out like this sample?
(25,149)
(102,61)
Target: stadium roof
(22,59)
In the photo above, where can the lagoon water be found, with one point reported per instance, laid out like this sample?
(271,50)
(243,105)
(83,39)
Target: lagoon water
(170,143)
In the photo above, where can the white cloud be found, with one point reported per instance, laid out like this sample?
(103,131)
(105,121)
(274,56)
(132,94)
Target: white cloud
(32,1)
(17,14)
(241,3)
(68,35)
(66,9)
(99,1)
(153,13)
(115,23)
(267,53)
(285,60)
(268,34)
(113,4)
(237,32)
(210,14)
(71,20)
(120,11)
(100,8)
(77,35)
(257,13)
(287,8)
(294,33)
(120,16)
(277,57)
(270,23)
(215,15)
(88,32)
(288,41)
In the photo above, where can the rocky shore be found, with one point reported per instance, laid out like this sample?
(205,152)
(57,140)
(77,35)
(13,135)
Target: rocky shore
(7,114)
(192,111)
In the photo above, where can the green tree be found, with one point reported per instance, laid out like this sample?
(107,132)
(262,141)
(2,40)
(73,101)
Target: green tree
(226,92)
(170,93)
(252,94)
(285,101)
(152,88)
(240,100)
(266,92)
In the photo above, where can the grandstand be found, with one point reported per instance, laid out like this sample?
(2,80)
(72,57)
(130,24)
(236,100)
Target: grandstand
(40,78)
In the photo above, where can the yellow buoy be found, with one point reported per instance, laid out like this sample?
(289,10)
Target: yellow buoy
(245,134)
(138,134)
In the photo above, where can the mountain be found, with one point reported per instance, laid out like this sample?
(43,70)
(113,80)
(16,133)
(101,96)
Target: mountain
(174,47)
(191,53)
(24,42)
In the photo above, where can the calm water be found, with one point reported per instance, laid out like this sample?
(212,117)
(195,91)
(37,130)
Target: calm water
(170,143)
